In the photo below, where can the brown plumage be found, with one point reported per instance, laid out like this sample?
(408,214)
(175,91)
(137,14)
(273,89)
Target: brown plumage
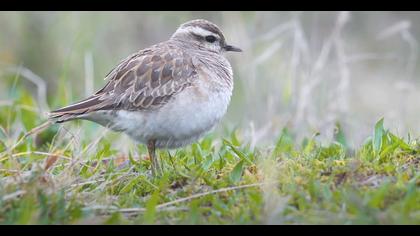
(145,80)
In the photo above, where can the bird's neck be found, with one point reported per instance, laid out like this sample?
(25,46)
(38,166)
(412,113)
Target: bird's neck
(211,61)
(218,65)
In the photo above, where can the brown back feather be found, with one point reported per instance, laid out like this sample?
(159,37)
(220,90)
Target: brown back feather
(145,80)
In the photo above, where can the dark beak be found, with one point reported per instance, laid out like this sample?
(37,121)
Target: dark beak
(232,48)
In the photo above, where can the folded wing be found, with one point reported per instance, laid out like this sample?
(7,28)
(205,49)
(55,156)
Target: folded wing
(145,80)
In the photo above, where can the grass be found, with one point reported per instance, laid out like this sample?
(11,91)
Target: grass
(60,177)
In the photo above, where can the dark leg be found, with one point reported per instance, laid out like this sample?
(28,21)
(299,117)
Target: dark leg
(156,168)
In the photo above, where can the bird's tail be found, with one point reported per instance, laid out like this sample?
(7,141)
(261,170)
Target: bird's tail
(55,117)
(74,111)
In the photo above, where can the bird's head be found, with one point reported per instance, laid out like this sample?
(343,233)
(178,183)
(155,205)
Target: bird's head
(203,35)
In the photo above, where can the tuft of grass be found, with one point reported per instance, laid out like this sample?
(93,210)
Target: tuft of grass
(60,177)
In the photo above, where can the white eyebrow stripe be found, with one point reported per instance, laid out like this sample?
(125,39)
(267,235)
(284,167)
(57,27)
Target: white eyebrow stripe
(198,31)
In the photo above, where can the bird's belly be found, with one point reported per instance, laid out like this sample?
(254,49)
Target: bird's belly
(183,120)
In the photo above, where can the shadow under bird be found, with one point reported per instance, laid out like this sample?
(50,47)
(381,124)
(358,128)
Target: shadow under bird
(165,96)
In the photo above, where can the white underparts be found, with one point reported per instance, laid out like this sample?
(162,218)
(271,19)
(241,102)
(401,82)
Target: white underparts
(186,118)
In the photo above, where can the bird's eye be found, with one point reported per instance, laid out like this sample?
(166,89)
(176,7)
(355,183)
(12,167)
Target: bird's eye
(210,38)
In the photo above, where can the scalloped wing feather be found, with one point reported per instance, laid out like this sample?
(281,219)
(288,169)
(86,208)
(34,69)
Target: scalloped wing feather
(145,80)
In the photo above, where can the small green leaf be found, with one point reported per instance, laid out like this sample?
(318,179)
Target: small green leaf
(401,143)
(340,136)
(129,186)
(378,135)
(237,152)
(197,153)
(285,143)
(132,161)
(389,149)
(236,173)
(234,138)
(150,214)
(308,146)
(207,163)
(206,143)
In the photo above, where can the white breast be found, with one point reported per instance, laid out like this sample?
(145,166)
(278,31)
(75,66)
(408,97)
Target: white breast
(183,120)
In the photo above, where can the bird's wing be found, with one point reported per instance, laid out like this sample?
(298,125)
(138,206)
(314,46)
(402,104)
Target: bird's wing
(144,81)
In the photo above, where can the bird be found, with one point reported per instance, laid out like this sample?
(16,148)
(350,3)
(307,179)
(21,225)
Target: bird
(166,96)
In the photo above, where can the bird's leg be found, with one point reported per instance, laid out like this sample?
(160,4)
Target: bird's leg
(156,168)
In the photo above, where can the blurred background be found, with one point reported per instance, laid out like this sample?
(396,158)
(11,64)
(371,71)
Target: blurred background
(311,72)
